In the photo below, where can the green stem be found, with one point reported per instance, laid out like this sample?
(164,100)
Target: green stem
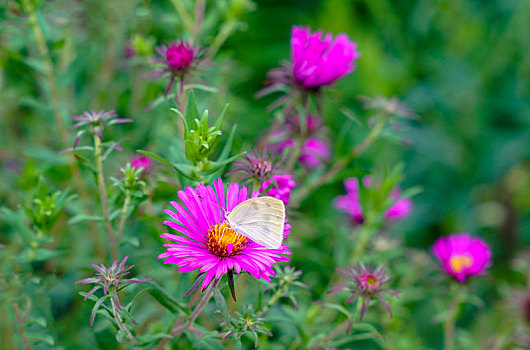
(48,69)
(20,322)
(200,6)
(123,218)
(119,321)
(449,326)
(103,195)
(226,31)
(187,21)
(343,162)
(273,299)
(55,99)
(365,232)
(179,327)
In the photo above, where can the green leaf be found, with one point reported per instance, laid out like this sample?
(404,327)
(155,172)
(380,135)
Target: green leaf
(166,300)
(192,111)
(96,307)
(155,157)
(83,217)
(221,304)
(147,339)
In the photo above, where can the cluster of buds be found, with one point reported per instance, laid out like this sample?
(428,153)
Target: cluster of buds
(130,183)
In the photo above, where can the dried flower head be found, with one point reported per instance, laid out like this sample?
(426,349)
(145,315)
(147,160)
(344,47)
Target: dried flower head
(259,167)
(365,282)
(462,255)
(113,276)
(94,122)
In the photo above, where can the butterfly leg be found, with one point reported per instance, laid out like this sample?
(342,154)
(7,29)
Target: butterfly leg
(222,234)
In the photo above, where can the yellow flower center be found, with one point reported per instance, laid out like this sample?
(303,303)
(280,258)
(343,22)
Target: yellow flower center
(371,280)
(223,241)
(459,262)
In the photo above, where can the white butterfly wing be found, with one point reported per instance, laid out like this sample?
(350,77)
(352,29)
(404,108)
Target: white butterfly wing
(261,219)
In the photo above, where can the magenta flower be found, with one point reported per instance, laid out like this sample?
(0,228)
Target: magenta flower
(320,60)
(462,256)
(350,203)
(365,282)
(208,244)
(175,61)
(314,153)
(281,187)
(141,161)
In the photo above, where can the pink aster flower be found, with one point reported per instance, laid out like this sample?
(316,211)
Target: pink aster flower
(314,153)
(351,201)
(208,244)
(175,61)
(366,282)
(319,59)
(282,186)
(462,255)
(141,161)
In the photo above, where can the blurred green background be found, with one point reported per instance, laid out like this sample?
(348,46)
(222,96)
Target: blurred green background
(462,66)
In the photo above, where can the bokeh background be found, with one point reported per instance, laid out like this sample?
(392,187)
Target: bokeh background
(462,66)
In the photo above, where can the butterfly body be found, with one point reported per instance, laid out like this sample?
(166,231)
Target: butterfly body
(260,219)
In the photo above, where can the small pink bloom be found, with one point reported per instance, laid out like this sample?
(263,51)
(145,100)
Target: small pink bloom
(351,201)
(400,209)
(142,161)
(462,255)
(282,186)
(314,153)
(319,59)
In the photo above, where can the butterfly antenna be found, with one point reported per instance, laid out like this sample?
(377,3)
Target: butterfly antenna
(216,204)
(222,234)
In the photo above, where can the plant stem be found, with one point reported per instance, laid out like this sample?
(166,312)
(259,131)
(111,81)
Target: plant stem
(123,218)
(273,299)
(20,322)
(48,69)
(340,328)
(183,14)
(226,30)
(103,195)
(364,234)
(179,327)
(198,20)
(118,319)
(343,162)
(55,99)
(449,326)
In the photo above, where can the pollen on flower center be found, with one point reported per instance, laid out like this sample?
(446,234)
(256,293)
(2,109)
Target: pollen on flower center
(223,241)
(460,262)
(368,280)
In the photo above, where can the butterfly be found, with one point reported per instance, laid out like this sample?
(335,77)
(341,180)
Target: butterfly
(260,219)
